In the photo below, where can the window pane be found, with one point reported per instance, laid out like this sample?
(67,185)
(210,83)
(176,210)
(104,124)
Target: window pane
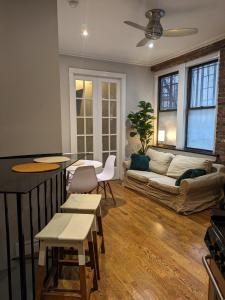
(89,126)
(168,123)
(112,90)
(89,143)
(203,85)
(112,109)
(80,107)
(79,88)
(168,92)
(112,125)
(105,142)
(201,128)
(88,107)
(80,126)
(105,108)
(105,125)
(80,144)
(104,157)
(88,89)
(105,90)
(113,142)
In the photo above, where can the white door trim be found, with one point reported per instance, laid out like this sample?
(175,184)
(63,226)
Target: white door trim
(102,74)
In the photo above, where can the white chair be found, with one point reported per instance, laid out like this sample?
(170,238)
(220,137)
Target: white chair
(106,175)
(84,180)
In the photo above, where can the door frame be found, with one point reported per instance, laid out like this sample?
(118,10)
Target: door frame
(107,75)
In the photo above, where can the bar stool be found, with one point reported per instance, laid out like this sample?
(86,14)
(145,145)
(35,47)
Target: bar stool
(66,231)
(88,204)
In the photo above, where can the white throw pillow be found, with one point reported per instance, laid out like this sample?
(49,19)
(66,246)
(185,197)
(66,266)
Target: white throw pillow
(159,161)
(182,163)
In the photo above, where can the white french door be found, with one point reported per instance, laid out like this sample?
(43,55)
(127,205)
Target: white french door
(95,118)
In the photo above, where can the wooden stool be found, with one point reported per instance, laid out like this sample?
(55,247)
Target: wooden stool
(66,231)
(88,204)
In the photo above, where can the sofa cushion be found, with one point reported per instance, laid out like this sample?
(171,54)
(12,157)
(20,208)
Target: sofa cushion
(166,184)
(139,162)
(159,161)
(142,176)
(182,163)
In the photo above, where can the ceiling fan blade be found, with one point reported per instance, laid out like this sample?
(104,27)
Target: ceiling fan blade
(135,25)
(142,42)
(176,32)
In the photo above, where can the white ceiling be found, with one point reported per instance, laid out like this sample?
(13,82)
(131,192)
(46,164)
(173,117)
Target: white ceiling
(110,39)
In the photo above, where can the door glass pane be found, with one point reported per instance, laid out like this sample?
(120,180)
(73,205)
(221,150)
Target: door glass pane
(112,108)
(113,126)
(80,107)
(105,108)
(105,142)
(80,126)
(88,89)
(105,90)
(88,107)
(89,126)
(113,142)
(104,157)
(112,90)
(105,125)
(79,88)
(89,143)
(114,153)
(80,144)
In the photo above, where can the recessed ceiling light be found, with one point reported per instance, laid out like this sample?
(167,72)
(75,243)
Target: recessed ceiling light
(151,45)
(85,32)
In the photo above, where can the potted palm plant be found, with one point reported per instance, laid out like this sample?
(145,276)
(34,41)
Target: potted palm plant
(142,125)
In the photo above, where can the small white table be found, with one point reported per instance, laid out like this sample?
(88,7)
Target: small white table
(84,162)
(81,163)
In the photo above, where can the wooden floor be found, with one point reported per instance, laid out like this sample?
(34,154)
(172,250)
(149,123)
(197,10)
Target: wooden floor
(151,252)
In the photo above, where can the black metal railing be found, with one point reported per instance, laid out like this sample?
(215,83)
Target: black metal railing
(24,214)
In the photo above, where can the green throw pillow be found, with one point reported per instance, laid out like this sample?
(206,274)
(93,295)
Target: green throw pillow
(191,173)
(139,162)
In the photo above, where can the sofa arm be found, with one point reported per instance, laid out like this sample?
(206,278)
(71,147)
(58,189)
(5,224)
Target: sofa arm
(126,165)
(218,168)
(206,182)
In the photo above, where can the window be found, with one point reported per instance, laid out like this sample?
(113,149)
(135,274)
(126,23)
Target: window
(167,118)
(201,106)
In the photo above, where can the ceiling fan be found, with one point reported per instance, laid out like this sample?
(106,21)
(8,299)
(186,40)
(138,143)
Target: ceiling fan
(154,30)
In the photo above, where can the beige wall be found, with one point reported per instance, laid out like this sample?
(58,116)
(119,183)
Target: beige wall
(30,119)
(139,86)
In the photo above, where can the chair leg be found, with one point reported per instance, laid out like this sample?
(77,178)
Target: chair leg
(83,286)
(98,188)
(82,273)
(96,253)
(104,185)
(110,189)
(93,264)
(41,272)
(100,229)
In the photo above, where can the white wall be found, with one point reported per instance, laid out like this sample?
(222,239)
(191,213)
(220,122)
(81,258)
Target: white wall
(30,120)
(139,86)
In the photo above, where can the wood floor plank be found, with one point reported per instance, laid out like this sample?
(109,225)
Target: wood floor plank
(151,252)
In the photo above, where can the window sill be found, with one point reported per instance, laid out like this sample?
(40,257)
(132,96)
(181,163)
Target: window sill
(189,150)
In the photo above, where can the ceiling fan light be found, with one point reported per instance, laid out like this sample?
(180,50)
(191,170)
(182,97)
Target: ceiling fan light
(151,45)
(85,32)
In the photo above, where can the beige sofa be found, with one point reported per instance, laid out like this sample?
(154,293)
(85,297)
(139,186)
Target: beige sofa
(193,195)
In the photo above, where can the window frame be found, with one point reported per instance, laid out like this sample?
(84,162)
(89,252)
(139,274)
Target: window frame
(164,110)
(159,89)
(189,108)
